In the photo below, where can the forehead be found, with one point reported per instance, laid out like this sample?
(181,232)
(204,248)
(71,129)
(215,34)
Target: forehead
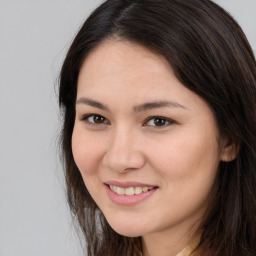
(116,59)
(123,66)
(124,73)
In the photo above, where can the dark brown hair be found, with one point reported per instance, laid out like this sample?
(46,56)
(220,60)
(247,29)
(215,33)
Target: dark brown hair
(211,56)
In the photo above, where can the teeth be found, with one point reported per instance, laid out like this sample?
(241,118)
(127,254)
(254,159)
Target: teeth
(138,190)
(145,189)
(130,191)
(120,191)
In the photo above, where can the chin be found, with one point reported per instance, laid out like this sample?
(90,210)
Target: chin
(127,229)
(128,232)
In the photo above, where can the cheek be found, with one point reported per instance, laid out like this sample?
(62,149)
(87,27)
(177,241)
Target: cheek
(188,170)
(186,157)
(87,151)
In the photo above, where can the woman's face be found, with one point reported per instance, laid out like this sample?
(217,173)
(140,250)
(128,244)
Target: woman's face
(147,147)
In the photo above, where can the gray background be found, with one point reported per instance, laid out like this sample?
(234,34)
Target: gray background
(34,36)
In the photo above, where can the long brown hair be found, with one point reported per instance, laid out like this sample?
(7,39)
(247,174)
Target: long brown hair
(211,56)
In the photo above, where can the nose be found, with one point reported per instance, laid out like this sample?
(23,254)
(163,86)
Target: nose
(124,152)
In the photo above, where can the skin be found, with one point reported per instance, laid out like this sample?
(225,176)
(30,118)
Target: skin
(181,157)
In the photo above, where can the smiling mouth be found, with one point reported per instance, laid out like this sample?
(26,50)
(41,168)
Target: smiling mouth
(130,191)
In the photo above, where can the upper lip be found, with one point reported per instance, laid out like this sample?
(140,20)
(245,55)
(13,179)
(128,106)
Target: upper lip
(128,184)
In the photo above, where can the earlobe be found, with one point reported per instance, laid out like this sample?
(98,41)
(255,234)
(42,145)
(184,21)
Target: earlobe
(230,151)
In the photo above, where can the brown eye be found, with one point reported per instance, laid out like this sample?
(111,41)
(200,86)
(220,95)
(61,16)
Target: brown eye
(98,119)
(95,119)
(158,121)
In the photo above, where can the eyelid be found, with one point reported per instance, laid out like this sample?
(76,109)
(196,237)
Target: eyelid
(87,116)
(170,121)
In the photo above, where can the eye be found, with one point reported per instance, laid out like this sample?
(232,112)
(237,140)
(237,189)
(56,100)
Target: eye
(95,119)
(158,121)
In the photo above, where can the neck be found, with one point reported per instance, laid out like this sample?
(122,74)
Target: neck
(168,242)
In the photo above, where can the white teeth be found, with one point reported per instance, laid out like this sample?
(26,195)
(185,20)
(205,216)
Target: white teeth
(120,191)
(138,190)
(129,191)
(113,187)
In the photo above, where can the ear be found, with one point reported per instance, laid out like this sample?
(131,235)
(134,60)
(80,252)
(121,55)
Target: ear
(230,150)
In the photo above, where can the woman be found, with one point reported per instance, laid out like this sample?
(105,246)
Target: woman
(158,139)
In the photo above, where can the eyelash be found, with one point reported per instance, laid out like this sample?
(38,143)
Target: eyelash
(86,119)
(165,121)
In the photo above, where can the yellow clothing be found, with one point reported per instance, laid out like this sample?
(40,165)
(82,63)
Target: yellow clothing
(186,251)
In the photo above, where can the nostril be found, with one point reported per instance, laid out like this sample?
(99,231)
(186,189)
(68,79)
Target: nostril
(123,161)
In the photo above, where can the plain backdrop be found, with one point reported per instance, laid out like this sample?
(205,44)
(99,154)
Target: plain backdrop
(34,37)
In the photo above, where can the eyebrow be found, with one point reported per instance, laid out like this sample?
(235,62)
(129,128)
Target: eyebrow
(139,108)
(157,104)
(92,103)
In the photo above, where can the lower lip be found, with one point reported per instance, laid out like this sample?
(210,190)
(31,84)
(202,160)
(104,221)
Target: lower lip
(128,200)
